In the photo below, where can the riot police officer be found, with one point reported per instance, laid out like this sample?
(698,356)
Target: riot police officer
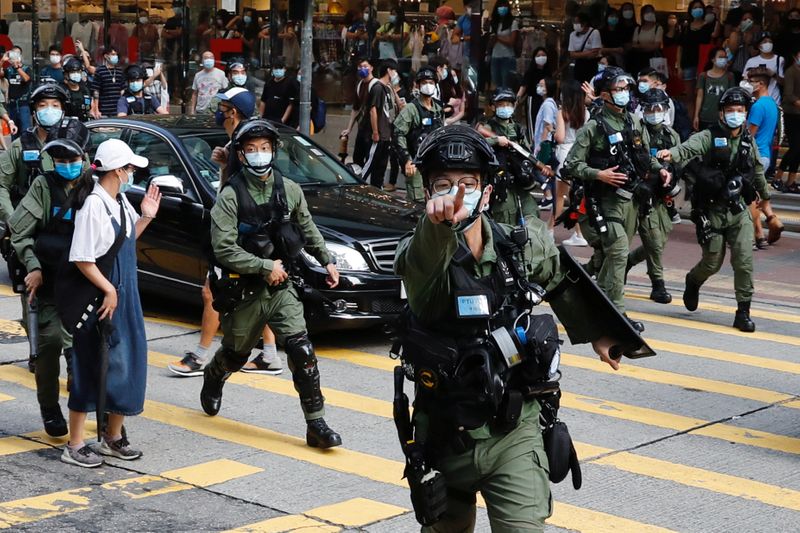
(611,156)
(41,233)
(134,101)
(259,224)
(479,395)
(24,160)
(416,120)
(79,99)
(727,176)
(655,220)
(512,201)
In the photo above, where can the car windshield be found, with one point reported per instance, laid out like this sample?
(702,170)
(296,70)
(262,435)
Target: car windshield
(298,159)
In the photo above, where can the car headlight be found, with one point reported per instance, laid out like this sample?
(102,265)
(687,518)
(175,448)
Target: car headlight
(346,258)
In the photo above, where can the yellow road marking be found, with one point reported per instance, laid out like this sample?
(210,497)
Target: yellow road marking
(5,397)
(629,462)
(34,509)
(283,524)
(12,327)
(716,328)
(357,512)
(766,363)
(6,290)
(12,445)
(727,309)
(338,459)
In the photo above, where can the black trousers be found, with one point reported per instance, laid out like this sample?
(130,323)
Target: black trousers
(791,159)
(375,161)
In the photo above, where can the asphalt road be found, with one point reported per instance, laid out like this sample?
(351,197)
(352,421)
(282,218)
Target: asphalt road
(703,437)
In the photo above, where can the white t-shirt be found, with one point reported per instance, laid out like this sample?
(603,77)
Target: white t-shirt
(503,50)
(94,233)
(208,84)
(592,41)
(775,64)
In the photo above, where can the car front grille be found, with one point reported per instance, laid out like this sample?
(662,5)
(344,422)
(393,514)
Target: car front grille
(387,306)
(382,253)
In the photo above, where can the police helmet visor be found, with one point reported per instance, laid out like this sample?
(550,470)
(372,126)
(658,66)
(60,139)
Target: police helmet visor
(63,149)
(426,74)
(256,129)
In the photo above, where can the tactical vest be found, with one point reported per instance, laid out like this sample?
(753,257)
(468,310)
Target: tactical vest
(79,103)
(54,240)
(624,149)
(518,171)
(717,167)
(462,374)
(31,158)
(139,106)
(660,139)
(429,120)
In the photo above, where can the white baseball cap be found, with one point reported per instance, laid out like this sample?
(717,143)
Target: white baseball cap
(113,154)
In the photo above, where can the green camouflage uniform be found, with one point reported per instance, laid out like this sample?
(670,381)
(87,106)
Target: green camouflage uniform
(507,211)
(509,469)
(407,120)
(728,229)
(611,249)
(14,174)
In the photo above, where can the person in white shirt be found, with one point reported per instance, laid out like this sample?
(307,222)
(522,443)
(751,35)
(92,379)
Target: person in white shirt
(106,229)
(585,46)
(769,60)
(206,84)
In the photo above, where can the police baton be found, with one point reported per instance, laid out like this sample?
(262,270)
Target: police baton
(33,326)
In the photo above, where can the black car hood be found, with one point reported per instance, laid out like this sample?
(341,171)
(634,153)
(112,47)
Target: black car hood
(360,212)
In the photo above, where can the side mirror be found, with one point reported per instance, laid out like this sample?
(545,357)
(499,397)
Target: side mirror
(168,185)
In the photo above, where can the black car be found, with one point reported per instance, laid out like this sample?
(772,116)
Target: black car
(361,225)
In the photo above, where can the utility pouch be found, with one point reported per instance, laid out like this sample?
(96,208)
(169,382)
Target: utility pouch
(289,239)
(702,226)
(428,495)
(558,446)
(17,272)
(228,289)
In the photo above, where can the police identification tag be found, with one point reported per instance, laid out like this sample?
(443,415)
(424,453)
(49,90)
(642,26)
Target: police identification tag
(87,100)
(427,121)
(615,138)
(30,155)
(653,152)
(472,306)
(720,142)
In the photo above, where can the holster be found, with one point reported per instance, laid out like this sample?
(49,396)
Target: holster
(558,446)
(229,289)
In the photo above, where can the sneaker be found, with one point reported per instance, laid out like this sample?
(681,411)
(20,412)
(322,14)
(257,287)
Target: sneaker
(84,457)
(120,448)
(575,240)
(190,366)
(676,218)
(546,203)
(263,365)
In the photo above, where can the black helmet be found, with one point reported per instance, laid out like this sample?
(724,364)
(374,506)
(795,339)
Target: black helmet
(501,94)
(455,147)
(735,96)
(654,97)
(49,90)
(610,77)
(426,73)
(135,72)
(73,64)
(67,139)
(257,128)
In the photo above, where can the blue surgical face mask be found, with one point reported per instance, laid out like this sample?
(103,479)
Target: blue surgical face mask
(208,63)
(721,62)
(471,200)
(278,73)
(392,19)
(69,171)
(644,86)
(505,112)
(135,86)
(363,72)
(125,186)
(260,162)
(113,59)
(502,11)
(612,21)
(247,19)
(622,98)
(698,12)
(239,79)
(734,119)
(655,118)
(75,77)
(601,67)
(49,116)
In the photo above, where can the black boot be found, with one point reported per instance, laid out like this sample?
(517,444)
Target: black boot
(659,293)
(319,435)
(214,377)
(638,326)
(691,294)
(742,321)
(54,423)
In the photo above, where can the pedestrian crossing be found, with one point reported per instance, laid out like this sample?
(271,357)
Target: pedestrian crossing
(385,469)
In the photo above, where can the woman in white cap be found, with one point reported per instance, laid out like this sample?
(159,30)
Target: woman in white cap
(106,224)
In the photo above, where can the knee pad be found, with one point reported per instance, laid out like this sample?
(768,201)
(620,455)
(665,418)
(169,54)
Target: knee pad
(300,350)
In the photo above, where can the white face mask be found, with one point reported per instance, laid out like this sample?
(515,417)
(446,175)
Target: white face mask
(75,77)
(55,59)
(260,162)
(541,91)
(649,17)
(577,27)
(655,118)
(427,89)
(766,48)
(747,86)
(541,60)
